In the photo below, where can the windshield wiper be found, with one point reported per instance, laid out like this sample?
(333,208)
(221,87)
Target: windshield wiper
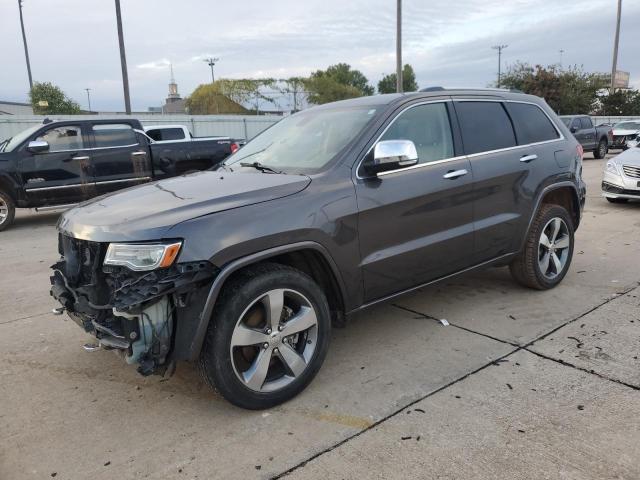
(259,166)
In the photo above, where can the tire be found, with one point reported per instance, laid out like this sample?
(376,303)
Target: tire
(241,318)
(7,211)
(528,268)
(601,150)
(617,200)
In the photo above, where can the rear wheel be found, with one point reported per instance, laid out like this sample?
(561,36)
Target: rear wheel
(601,149)
(268,336)
(548,250)
(617,200)
(7,211)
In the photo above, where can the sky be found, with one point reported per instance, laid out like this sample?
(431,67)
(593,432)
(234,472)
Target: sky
(74,43)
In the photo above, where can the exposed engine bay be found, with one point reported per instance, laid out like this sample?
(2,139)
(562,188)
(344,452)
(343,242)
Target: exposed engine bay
(131,312)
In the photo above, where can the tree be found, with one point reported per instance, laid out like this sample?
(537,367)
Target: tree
(338,82)
(621,102)
(229,96)
(567,91)
(409,84)
(294,86)
(57,102)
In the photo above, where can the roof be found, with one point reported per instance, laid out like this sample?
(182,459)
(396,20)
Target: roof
(20,104)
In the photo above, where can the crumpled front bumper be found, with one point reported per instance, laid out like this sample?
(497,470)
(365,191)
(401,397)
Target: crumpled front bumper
(620,186)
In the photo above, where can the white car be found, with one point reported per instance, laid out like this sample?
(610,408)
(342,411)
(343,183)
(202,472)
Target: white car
(621,180)
(175,133)
(624,133)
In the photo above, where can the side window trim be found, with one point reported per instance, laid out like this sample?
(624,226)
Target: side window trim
(501,100)
(455,132)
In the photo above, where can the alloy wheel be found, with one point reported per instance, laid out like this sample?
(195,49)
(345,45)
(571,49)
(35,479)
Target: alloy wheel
(4,211)
(553,248)
(274,340)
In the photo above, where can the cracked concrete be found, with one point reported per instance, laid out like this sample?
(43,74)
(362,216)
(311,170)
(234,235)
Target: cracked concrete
(480,406)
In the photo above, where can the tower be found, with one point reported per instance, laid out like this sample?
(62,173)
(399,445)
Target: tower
(173,96)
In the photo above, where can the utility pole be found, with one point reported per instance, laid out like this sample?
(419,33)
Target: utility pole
(123,61)
(88,98)
(26,50)
(399,47)
(211,62)
(499,48)
(561,53)
(614,67)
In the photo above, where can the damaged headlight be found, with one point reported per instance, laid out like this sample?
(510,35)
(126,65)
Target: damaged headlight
(612,168)
(142,256)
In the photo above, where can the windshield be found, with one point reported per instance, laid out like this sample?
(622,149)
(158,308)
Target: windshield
(10,144)
(566,120)
(305,142)
(627,126)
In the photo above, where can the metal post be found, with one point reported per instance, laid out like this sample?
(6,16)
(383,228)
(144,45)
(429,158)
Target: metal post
(399,47)
(614,67)
(499,48)
(123,61)
(88,98)
(26,50)
(211,62)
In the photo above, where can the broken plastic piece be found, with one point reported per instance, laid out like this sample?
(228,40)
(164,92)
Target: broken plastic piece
(444,322)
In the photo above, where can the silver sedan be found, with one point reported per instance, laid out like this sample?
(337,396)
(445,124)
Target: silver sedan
(621,180)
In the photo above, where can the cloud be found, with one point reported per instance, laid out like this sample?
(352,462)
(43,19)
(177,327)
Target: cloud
(162,64)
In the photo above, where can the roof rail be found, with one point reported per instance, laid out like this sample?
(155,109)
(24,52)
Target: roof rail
(488,89)
(432,89)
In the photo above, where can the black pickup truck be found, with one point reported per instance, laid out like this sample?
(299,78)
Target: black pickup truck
(62,163)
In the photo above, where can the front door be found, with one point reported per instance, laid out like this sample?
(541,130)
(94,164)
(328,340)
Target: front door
(61,175)
(416,224)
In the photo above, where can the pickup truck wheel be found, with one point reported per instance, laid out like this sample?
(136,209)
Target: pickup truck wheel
(601,150)
(268,336)
(548,249)
(7,211)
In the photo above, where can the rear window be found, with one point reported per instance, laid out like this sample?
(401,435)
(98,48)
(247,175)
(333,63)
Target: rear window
(485,126)
(114,135)
(166,134)
(531,124)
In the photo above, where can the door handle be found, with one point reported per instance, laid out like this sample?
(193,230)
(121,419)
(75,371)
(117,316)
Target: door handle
(82,159)
(528,158)
(138,154)
(455,174)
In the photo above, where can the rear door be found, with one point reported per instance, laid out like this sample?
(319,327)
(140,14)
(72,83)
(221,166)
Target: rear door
(416,224)
(118,159)
(588,133)
(62,175)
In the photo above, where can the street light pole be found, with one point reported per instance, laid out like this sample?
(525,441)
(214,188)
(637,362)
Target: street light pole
(88,98)
(26,50)
(614,67)
(499,48)
(123,61)
(211,62)
(399,47)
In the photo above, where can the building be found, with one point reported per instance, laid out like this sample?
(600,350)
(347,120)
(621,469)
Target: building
(174,102)
(15,108)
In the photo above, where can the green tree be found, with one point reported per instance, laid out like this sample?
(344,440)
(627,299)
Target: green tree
(621,102)
(409,84)
(567,91)
(57,102)
(338,82)
(229,96)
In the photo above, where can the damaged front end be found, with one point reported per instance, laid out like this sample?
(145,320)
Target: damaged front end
(134,312)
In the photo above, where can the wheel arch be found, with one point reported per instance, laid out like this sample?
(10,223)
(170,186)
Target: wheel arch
(309,257)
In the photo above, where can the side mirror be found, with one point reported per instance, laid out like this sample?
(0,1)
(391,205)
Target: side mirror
(38,146)
(391,155)
(573,129)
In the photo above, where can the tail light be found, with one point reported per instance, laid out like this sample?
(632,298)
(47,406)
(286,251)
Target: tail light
(234,147)
(580,151)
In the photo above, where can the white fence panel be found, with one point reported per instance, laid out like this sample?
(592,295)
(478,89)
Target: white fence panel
(235,126)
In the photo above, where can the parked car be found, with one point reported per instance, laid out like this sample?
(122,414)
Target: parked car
(60,163)
(180,133)
(621,179)
(334,209)
(597,139)
(625,132)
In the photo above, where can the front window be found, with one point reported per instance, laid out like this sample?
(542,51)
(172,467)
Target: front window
(62,138)
(566,121)
(305,142)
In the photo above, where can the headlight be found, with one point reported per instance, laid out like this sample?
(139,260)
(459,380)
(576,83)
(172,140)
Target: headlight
(612,168)
(142,256)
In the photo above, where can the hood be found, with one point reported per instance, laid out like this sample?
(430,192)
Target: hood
(628,157)
(147,212)
(620,132)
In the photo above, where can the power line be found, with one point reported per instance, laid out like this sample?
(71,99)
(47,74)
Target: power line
(499,48)
(26,50)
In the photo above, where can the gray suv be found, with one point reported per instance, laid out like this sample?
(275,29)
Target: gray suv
(243,270)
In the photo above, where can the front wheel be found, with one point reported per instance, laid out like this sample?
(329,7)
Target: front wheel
(601,150)
(268,336)
(548,250)
(7,211)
